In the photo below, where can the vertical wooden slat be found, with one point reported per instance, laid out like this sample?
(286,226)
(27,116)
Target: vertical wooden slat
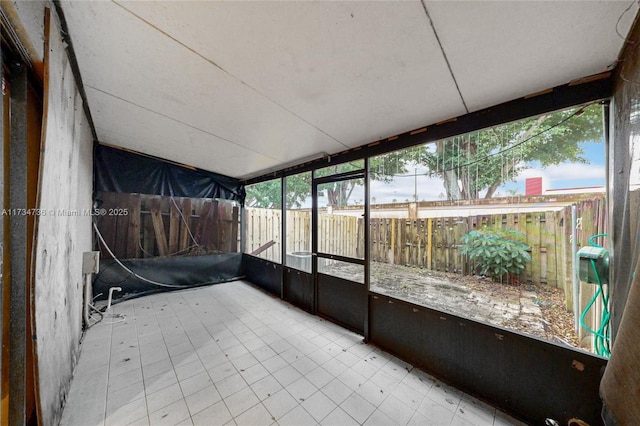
(185,224)
(413,242)
(213,227)
(429,243)
(440,244)
(551,242)
(392,241)
(248,229)
(265,230)
(460,231)
(524,223)
(235,220)
(208,230)
(446,235)
(567,257)
(223,224)
(226,223)
(149,240)
(372,239)
(379,235)
(174,225)
(361,231)
(406,241)
(158,227)
(202,222)
(254,231)
(381,240)
(122,224)
(133,233)
(290,231)
(165,205)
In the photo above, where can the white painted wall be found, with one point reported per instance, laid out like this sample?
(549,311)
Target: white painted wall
(65,186)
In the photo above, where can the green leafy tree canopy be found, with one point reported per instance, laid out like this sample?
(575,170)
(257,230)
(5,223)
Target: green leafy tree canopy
(484,160)
(469,165)
(267,194)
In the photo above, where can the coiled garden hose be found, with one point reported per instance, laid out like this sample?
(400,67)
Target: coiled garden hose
(601,337)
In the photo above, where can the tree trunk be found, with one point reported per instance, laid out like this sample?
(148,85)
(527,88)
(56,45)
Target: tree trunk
(492,189)
(496,184)
(451,185)
(339,195)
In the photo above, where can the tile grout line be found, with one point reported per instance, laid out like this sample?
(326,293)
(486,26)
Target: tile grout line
(135,324)
(207,371)
(255,315)
(106,400)
(155,314)
(131,317)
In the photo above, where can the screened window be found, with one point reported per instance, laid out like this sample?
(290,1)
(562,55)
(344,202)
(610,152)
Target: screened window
(263,220)
(298,220)
(480,224)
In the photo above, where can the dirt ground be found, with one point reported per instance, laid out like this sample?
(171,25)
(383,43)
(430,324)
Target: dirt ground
(534,309)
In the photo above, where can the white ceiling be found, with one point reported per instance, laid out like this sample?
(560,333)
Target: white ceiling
(240,88)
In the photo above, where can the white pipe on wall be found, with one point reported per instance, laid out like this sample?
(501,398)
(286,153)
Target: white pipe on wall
(111,290)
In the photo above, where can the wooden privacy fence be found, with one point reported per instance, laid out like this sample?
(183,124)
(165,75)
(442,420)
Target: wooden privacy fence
(434,243)
(263,227)
(342,235)
(138,225)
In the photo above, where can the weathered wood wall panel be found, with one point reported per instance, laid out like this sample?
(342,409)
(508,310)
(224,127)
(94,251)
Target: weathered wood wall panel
(136,226)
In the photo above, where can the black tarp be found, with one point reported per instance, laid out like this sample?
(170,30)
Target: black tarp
(179,272)
(118,170)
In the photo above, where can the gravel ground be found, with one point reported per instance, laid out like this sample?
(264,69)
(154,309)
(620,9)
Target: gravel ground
(534,309)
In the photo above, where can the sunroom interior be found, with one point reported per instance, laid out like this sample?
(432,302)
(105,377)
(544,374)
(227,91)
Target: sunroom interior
(320,212)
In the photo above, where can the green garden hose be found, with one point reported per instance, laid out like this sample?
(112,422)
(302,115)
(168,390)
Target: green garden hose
(601,338)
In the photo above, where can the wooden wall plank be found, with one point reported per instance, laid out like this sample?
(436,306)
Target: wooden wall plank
(429,243)
(233,235)
(148,239)
(185,225)
(122,224)
(213,228)
(202,222)
(174,225)
(158,227)
(550,242)
(133,233)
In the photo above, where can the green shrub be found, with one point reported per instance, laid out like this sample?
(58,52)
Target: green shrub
(498,252)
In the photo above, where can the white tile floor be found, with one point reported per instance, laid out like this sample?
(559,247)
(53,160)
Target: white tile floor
(230,354)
